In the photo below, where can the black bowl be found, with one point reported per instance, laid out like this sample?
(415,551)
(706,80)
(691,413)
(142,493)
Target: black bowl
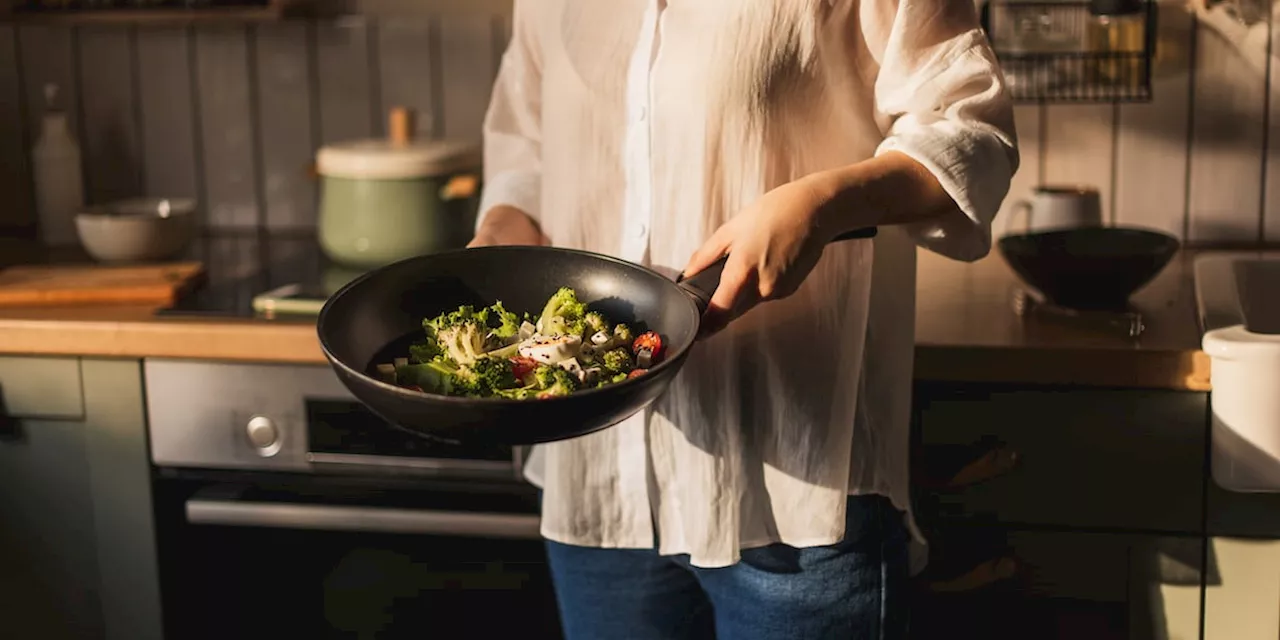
(1089,268)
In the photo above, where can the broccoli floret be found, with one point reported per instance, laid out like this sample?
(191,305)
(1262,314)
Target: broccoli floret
(436,376)
(618,361)
(595,322)
(464,343)
(522,393)
(607,380)
(425,351)
(504,324)
(562,315)
(485,377)
(465,314)
(553,381)
(622,335)
(460,334)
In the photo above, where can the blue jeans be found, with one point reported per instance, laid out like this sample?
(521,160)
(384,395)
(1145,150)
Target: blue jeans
(853,589)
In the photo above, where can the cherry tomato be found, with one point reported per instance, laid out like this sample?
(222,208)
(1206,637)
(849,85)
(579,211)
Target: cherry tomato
(648,340)
(522,366)
(636,373)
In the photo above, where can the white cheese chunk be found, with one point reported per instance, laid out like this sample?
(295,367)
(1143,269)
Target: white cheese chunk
(551,350)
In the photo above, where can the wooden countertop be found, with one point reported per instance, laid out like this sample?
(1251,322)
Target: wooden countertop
(966,330)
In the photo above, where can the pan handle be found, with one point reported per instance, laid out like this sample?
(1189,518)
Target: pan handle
(703,284)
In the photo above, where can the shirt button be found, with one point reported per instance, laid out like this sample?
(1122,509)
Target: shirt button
(640,229)
(641,114)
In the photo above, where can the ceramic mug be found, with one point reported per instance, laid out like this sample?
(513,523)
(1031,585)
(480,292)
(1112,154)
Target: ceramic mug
(1053,207)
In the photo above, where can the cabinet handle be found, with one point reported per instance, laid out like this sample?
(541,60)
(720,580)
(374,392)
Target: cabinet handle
(983,575)
(236,513)
(10,427)
(994,463)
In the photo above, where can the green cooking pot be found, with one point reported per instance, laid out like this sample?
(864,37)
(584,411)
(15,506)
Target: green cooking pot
(386,200)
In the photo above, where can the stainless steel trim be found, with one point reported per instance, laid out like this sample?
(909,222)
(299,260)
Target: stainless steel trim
(362,519)
(441,464)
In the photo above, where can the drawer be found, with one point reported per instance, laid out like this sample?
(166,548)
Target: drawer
(999,585)
(1106,459)
(48,388)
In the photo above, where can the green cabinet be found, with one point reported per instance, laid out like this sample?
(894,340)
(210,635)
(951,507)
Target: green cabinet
(77,544)
(1060,512)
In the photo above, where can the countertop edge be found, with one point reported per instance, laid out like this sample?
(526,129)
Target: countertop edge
(293,343)
(1180,370)
(230,339)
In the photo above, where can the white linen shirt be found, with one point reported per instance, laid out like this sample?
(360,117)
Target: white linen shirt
(635,128)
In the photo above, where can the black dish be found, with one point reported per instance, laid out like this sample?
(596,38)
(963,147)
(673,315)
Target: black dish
(1091,268)
(373,319)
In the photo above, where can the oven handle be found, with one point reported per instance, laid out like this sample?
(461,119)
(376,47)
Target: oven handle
(362,519)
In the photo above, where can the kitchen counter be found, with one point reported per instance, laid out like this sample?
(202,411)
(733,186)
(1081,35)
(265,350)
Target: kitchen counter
(966,330)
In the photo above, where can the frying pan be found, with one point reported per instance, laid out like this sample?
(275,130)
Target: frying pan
(374,319)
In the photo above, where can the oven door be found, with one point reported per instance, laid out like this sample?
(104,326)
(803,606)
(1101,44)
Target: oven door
(316,557)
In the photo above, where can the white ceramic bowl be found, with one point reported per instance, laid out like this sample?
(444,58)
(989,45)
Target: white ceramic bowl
(137,230)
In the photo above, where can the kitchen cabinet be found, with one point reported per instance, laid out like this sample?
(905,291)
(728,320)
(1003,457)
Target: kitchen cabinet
(77,553)
(1059,513)
(1017,585)
(1104,459)
(1242,589)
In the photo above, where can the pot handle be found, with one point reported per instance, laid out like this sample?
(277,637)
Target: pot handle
(703,284)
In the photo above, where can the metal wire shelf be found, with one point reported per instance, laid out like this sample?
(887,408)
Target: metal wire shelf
(1059,51)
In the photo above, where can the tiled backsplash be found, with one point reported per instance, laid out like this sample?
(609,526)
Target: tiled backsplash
(1197,161)
(233,116)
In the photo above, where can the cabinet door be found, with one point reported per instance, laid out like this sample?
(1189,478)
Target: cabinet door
(1058,586)
(77,546)
(48,559)
(1100,459)
(1242,589)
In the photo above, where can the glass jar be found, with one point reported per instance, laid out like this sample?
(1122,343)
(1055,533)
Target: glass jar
(1116,38)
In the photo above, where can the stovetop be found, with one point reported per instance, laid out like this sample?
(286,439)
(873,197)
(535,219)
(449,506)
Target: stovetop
(241,266)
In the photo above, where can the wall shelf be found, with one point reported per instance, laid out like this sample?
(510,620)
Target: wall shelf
(1061,52)
(272,10)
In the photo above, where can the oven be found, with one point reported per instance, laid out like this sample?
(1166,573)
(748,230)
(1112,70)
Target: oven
(284,509)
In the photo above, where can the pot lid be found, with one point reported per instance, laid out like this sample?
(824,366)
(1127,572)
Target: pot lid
(398,155)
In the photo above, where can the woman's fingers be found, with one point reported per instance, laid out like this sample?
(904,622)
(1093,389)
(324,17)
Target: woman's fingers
(737,294)
(716,247)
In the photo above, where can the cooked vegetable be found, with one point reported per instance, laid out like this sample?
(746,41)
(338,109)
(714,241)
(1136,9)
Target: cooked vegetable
(562,315)
(493,353)
(618,361)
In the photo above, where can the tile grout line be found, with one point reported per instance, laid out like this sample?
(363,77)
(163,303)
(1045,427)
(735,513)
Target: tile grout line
(435,60)
(374,58)
(1192,54)
(77,82)
(257,153)
(1266,137)
(197,123)
(139,124)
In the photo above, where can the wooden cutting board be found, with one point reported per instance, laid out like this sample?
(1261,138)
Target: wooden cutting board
(40,285)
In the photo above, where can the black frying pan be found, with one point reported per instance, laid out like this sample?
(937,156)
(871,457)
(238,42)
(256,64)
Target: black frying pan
(374,318)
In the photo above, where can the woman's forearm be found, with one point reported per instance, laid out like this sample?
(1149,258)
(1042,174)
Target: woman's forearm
(889,189)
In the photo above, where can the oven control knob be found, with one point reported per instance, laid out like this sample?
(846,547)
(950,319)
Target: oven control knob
(263,434)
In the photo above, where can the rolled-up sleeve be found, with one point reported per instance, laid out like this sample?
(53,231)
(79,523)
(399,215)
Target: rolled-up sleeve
(944,99)
(513,123)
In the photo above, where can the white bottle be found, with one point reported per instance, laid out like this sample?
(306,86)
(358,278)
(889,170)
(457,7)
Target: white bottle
(59,187)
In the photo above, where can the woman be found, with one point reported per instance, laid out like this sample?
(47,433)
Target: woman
(765,495)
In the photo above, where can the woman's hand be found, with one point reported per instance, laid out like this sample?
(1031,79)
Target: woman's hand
(505,225)
(772,246)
